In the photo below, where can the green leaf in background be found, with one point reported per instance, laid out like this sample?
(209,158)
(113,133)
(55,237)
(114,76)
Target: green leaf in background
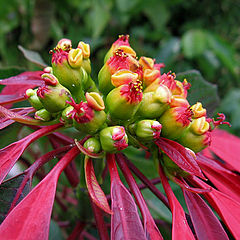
(201,90)
(33,57)
(55,232)
(8,191)
(168,51)
(99,18)
(231,107)
(224,52)
(194,43)
(9,72)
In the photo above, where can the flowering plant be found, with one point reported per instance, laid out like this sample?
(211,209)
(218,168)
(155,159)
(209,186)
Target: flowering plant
(134,106)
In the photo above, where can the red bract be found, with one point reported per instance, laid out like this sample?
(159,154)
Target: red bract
(125,221)
(30,220)
(180,229)
(10,154)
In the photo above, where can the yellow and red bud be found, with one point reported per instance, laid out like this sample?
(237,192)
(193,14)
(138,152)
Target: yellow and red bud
(95,101)
(199,126)
(123,77)
(64,44)
(113,139)
(150,75)
(175,121)
(198,110)
(179,101)
(146,63)
(122,101)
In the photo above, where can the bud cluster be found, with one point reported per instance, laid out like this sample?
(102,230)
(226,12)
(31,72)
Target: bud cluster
(135,100)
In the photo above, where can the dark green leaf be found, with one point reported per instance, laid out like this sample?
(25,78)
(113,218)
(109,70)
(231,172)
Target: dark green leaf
(8,193)
(32,56)
(9,72)
(201,90)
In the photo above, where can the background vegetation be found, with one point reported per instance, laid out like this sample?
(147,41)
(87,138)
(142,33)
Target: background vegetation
(185,35)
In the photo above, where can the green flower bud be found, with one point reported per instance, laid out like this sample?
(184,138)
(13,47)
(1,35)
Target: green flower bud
(174,122)
(85,118)
(53,95)
(43,115)
(197,136)
(66,115)
(122,102)
(93,145)
(155,103)
(113,139)
(33,99)
(148,129)
(171,168)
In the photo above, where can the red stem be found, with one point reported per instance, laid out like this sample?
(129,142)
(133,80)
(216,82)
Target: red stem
(101,226)
(148,183)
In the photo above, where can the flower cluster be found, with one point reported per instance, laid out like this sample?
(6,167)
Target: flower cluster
(137,105)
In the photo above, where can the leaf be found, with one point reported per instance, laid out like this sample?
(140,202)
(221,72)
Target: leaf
(151,230)
(194,43)
(125,221)
(25,78)
(206,224)
(55,231)
(226,207)
(178,154)
(225,180)
(30,219)
(95,191)
(32,56)
(10,71)
(5,121)
(9,190)
(179,222)
(230,153)
(10,154)
(201,90)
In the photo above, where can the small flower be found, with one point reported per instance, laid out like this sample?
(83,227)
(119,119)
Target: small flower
(53,95)
(175,121)
(122,101)
(148,130)
(113,139)
(118,61)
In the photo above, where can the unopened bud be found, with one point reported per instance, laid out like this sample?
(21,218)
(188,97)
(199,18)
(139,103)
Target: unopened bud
(92,145)
(43,115)
(33,99)
(85,49)
(113,139)
(155,103)
(148,129)
(95,101)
